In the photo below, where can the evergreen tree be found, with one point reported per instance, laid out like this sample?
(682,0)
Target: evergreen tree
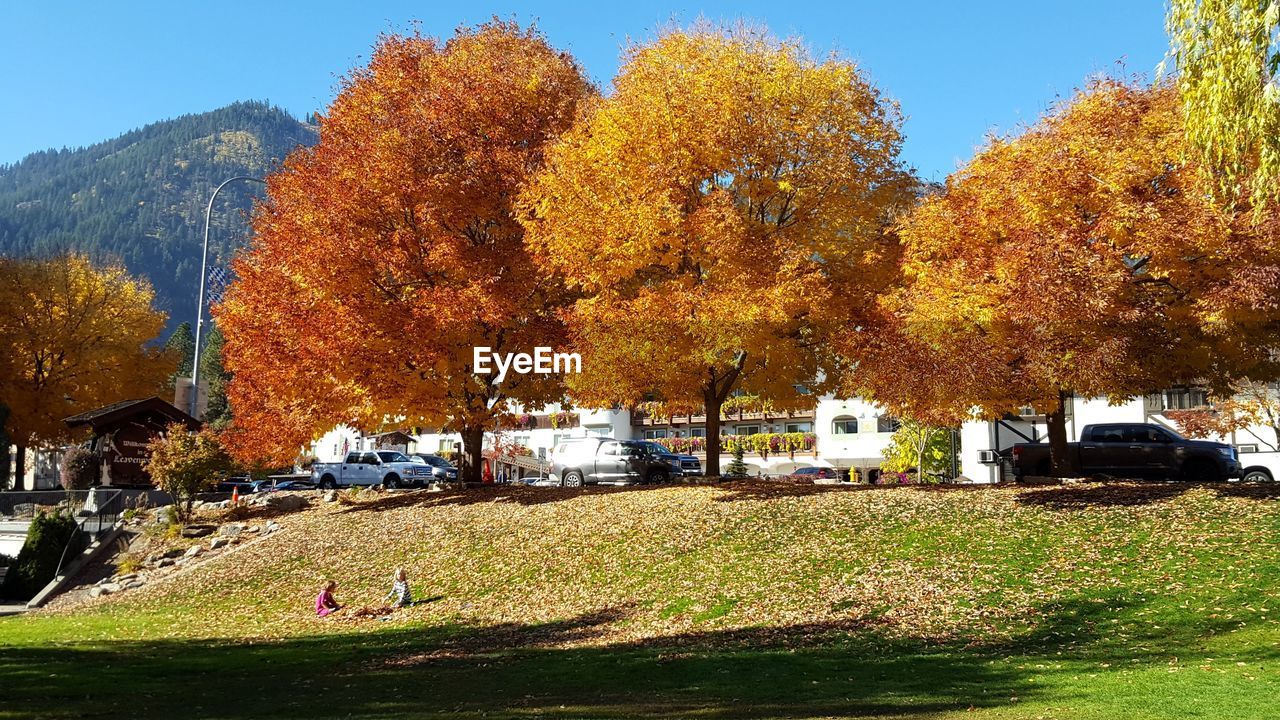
(140,198)
(183,343)
(737,468)
(218,413)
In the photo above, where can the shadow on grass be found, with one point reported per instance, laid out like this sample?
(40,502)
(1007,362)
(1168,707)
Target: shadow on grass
(815,670)
(506,671)
(519,494)
(1130,493)
(1097,495)
(1251,491)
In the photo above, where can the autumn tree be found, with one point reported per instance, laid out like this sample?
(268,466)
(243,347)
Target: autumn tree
(74,337)
(717,212)
(926,449)
(1079,257)
(390,250)
(1246,404)
(184,463)
(1227,53)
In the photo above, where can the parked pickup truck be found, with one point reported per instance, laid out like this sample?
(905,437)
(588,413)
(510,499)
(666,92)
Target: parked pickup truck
(577,461)
(388,468)
(1135,450)
(680,464)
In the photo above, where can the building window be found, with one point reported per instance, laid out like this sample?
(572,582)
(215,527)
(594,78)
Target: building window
(1184,399)
(697,432)
(747,429)
(799,427)
(655,434)
(845,426)
(887,424)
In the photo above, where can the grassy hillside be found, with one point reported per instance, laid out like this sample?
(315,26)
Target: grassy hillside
(743,600)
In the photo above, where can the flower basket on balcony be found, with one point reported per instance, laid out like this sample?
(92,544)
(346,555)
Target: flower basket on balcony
(525,421)
(562,419)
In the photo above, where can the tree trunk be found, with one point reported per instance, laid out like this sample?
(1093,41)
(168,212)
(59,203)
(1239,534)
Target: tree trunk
(472,460)
(920,460)
(6,455)
(20,469)
(714,392)
(713,404)
(1064,462)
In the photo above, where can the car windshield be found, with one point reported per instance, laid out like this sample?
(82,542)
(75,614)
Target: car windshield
(433,461)
(654,447)
(387,457)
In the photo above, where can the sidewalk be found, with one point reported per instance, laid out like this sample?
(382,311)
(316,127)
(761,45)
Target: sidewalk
(12,609)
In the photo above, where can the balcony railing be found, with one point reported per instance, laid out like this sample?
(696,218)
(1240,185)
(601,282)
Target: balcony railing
(642,418)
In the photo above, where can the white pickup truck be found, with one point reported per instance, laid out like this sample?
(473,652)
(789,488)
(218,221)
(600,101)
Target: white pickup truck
(388,468)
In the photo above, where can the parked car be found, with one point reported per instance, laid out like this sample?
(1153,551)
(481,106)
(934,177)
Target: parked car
(814,473)
(1134,450)
(388,468)
(236,483)
(680,464)
(1258,466)
(579,461)
(271,485)
(441,470)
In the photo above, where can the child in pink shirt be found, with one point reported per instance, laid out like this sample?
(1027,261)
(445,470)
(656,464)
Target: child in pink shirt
(325,604)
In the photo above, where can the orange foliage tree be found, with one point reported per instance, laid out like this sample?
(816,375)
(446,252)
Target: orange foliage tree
(718,213)
(385,253)
(1246,405)
(1080,257)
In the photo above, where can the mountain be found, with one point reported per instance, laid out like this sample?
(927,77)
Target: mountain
(141,197)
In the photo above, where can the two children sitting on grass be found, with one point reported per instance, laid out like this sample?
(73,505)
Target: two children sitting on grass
(400,596)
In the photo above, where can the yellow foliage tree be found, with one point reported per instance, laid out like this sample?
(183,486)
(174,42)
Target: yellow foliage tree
(1082,256)
(73,337)
(718,213)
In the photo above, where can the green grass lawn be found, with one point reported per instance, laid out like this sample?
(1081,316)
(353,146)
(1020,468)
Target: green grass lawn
(1090,601)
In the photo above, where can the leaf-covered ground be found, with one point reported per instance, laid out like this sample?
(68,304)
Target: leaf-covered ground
(741,600)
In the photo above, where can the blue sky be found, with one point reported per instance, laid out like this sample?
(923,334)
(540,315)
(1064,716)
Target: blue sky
(73,74)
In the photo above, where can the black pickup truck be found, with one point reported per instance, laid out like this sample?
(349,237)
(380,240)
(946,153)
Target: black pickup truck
(1134,450)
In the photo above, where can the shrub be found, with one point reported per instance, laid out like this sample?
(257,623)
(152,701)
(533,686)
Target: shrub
(129,563)
(79,468)
(736,466)
(37,562)
(184,463)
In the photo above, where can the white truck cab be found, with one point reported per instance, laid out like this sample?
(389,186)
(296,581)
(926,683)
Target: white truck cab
(388,468)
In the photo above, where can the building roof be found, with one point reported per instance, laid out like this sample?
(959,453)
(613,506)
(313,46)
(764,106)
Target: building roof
(124,410)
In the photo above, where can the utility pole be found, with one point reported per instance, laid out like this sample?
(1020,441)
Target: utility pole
(204,261)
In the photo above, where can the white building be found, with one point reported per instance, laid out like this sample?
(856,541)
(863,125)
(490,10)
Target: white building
(850,434)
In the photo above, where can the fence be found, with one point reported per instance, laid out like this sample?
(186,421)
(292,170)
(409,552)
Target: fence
(94,522)
(22,505)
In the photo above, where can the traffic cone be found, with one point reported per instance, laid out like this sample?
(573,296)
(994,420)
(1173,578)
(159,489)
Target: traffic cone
(235,496)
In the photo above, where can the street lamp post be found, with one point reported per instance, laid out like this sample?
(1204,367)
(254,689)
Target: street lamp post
(204,260)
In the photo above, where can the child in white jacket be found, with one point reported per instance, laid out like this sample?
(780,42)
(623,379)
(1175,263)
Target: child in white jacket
(399,594)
